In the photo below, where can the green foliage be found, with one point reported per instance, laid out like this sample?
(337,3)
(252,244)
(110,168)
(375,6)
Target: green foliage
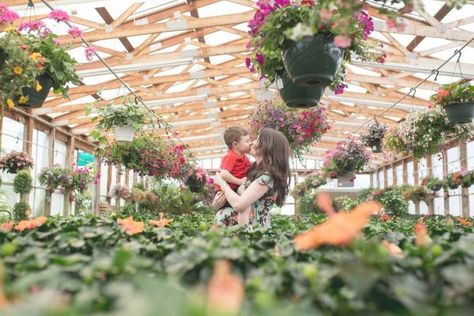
(20,210)
(58,63)
(56,177)
(457,92)
(104,271)
(23,183)
(392,201)
(127,114)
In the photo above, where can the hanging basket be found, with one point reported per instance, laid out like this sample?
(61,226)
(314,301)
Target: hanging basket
(124,133)
(377,148)
(37,98)
(453,186)
(3,57)
(296,96)
(312,61)
(194,184)
(436,188)
(460,112)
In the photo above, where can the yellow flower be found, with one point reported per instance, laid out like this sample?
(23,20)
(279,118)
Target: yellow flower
(23,99)
(18,70)
(9,28)
(10,103)
(38,87)
(36,56)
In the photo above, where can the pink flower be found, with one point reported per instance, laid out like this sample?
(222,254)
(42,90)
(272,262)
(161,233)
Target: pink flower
(59,15)
(31,26)
(325,15)
(7,15)
(260,58)
(57,41)
(90,52)
(74,31)
(342,41)
(340,88)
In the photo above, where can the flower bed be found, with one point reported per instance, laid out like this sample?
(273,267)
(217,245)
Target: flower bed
(105,265)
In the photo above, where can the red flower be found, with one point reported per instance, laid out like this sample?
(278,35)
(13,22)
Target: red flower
(307,2)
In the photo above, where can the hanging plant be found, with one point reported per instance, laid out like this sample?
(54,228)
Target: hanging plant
(327,31)
(349,157)
(424,131)
(373,137)
(56,177)
(302,128)
(458,101)
(23,183)
(434,184)
(16,161)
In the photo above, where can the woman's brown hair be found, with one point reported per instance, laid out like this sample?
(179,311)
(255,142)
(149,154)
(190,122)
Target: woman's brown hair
(274,149)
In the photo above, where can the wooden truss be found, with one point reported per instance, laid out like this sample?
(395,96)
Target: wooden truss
(213,88)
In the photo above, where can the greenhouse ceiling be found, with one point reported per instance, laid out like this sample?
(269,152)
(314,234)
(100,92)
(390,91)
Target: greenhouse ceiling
(186,61)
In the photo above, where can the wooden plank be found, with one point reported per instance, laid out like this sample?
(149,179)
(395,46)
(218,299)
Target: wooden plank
(465,205)
(105,15)
(126,14)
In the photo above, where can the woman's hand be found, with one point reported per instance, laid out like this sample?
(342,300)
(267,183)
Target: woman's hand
(219,181)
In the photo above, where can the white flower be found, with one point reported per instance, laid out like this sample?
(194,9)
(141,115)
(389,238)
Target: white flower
(299,31)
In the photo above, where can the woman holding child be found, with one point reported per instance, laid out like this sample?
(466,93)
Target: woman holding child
(267,183)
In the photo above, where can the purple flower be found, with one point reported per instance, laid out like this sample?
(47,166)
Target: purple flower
(366,22)
(260,58)
(340,88)
(59,15)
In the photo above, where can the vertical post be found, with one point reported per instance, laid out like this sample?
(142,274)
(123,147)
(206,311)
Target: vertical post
(95,207)
(109,182)
(69,162)
(118,181)
(429,174)
(385,182)
(48,193)
(1,126)
(445,173)
(464,191)
(28,149)
(372,174)
(416,180)
(405,171)
(394,175)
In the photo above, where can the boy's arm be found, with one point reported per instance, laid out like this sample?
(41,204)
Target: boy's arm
(227,177)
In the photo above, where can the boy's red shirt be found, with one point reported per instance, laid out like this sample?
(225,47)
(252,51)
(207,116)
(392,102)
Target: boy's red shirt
(236,164)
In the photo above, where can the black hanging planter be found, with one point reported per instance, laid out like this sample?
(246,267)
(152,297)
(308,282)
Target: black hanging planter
(296,96)
(37,98)
(3,57)
(194,184)
(312,61)
(460,113)
(436,188)
(377,148)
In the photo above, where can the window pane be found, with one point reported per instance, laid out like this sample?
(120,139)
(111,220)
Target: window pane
(389,177)
(411,175)
(453,159)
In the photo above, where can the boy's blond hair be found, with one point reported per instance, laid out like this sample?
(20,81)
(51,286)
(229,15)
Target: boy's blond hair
(234,134)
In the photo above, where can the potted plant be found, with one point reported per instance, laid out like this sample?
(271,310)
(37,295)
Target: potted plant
(422,132)
(19,68)
(81,177)
(124,119)
(197,179)
(57,66)
(458,101)
(309,41)
(468,179)
(312,181)
(23,183)
(15,161)
(454,180)
(434,184)
(349,157)
(56,177)
(302,128)
(121,192)
(373,137)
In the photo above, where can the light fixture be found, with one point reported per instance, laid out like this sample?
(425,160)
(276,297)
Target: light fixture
(190,98)
(135,67)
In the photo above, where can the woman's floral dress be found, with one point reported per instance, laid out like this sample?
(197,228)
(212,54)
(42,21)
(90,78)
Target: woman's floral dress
(259,210)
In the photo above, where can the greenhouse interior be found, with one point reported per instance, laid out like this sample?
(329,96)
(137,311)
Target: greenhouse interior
(174,157)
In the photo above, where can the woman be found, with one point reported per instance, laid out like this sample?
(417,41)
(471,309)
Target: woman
(267,182)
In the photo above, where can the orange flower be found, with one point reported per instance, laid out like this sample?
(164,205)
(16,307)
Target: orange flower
(39,221)
(464,222)
(130,226)
(225,291)
(7,227)
(421,234)
(385,218)
(393,249)
(24,225)
(162,222)
(339,229)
